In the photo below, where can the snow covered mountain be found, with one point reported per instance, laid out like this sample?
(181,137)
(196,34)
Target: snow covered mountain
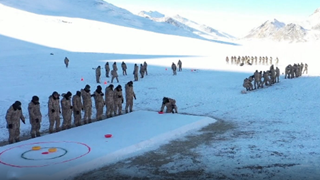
(187,25)
(98,10)
(307,30)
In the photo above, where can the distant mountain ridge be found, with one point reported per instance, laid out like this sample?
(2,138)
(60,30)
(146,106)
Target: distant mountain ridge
(307,30)
(186,24)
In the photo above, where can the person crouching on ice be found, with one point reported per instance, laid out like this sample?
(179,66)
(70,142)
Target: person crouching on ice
(170,104)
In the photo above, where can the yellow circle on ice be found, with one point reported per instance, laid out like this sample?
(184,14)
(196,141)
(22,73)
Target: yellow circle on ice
(52,150)
(36,148)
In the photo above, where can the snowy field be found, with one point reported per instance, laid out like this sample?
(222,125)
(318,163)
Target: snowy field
(281,122)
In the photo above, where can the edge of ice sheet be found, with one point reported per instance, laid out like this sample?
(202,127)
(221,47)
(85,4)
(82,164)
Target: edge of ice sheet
(133,150)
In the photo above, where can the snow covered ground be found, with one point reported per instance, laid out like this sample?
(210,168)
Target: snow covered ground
(283,119)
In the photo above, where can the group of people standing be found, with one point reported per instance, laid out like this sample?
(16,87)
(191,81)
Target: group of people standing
(114,72)
(70,105)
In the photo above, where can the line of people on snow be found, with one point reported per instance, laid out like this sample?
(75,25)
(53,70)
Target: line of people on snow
(270,77)
(70,105)
(263,60)
(295,70)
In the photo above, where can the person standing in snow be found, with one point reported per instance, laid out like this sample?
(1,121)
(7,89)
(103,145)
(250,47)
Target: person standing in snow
(180,64)
(174,68)
(66,110)
(145,66)
(124,68)
(99,102)
(114,66)
(114,74)
(77,107)
(118,100)
(13,116)
(35,116)
(98,74)
(107,67)
(170,105)
(305,68)
(54,112)
(141,70)
(87,104)
(66,62)
(109,99)
(129,96)
(277,74)
(135,72)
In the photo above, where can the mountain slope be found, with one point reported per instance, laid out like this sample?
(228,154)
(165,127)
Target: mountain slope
(187,25)
(97,10)
(307,30)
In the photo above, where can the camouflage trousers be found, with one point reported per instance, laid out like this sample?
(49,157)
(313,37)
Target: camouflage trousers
(99,111)
(117,108)
(113,79)
(77,118)
(35,128)
(174,72)
(124,72)
(110,109)
(98,79)
(14,133)
(87,114)
(136,77)
(129,104)
(107,73)
(54,120)
(142,74)
(66,120)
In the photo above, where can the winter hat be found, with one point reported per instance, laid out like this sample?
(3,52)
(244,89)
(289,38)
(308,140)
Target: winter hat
(78,93)
(17,103)
(68,94)
(35,98)
(99,87)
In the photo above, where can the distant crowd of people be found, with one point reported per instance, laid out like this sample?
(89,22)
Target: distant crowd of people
(263,60)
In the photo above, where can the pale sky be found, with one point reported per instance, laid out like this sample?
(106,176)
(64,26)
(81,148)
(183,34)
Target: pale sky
(236,17)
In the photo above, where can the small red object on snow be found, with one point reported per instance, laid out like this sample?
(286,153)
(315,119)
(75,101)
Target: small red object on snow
(108,135)
(81,79)
(166,68)
(105,82)
(160,112)
(191,70)
(45,153)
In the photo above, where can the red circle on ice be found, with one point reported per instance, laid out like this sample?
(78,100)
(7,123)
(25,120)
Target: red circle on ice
(160,112)
(108,135)
(88,149)
(45,153)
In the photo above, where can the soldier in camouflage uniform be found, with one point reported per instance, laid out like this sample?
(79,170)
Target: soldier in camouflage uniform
(227,60)
(118,100)
(180,64)
(272,74)
(129,96)
(305,68)
(87,104)
(135,72)
(257,79)
(109,99)
(247,84)
(99,102)
(266,79)
(114,66)
(277,74)
(124,68)
(66,110)
(54,112)
(174,68)
(35,116)
(107,67)
(145,66)
(98,74)
(170,105)
(77,107)
(277,61)
(287,72)
(141,70)
(66,62)
(13,116)
(114,74)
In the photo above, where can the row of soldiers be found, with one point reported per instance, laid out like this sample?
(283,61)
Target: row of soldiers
(250,61)
(270,77)
(112,99)
(114,72)
(295,70)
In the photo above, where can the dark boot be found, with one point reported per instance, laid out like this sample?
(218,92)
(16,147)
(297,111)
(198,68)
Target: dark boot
(17,139)
(38,134)
(33,135)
